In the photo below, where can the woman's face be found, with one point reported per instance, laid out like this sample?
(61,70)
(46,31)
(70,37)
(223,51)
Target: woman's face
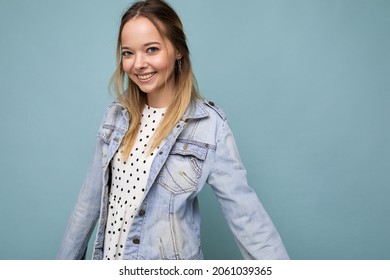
(149,60)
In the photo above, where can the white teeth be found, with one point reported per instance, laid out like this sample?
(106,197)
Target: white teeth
(145,77)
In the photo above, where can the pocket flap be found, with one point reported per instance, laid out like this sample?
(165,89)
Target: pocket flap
(107,132)
(189,149)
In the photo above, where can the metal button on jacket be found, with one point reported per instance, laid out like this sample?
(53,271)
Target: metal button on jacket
(136,241)
(141,213)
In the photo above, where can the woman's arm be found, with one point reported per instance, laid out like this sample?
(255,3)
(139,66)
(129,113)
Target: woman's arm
(85,212)
(253,229)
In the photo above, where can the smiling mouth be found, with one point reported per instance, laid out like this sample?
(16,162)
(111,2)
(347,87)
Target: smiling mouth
(146,77)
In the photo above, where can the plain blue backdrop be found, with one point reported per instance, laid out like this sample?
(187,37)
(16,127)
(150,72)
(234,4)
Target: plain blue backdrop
(305,84)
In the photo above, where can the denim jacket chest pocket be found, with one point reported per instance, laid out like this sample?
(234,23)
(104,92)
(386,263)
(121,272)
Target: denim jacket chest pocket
(111,137)
(183,167)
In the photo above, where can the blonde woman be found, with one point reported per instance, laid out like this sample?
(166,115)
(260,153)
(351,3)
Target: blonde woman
(158,144)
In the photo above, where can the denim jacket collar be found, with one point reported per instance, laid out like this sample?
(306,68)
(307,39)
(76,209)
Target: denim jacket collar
(195,110)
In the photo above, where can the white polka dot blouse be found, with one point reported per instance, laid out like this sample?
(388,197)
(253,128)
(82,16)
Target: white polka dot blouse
(128,181)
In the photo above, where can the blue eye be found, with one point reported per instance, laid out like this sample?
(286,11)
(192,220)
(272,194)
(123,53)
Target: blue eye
(152,50)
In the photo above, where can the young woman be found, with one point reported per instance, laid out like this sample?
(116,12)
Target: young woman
(158,144)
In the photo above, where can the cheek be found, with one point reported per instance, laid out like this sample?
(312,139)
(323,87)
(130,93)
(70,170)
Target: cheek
(127,65)
(161,63)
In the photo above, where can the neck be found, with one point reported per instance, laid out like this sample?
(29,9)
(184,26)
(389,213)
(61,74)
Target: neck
(159,100)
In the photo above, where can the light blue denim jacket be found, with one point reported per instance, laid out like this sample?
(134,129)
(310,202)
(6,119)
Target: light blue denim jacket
(200,149)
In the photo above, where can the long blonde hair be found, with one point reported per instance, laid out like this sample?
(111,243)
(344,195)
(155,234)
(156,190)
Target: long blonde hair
(168,23)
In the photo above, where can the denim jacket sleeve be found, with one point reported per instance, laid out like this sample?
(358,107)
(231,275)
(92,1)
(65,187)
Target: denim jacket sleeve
(256,236)
(85,213)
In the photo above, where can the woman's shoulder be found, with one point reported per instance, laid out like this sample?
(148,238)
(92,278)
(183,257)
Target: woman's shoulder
(115,103)
(211,108)
(113,111)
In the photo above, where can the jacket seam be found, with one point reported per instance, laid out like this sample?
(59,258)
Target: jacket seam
(217,144)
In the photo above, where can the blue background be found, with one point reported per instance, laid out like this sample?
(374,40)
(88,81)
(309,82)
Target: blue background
(305,84)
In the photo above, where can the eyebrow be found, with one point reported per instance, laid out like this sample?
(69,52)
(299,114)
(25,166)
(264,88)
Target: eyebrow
(152,43)
(145,45)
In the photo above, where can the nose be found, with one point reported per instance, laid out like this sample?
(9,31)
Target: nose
(140,62)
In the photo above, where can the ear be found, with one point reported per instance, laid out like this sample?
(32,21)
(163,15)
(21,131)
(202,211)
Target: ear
(178,55)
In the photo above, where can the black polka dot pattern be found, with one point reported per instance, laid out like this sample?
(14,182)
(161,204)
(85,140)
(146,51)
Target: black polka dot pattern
(128,184)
